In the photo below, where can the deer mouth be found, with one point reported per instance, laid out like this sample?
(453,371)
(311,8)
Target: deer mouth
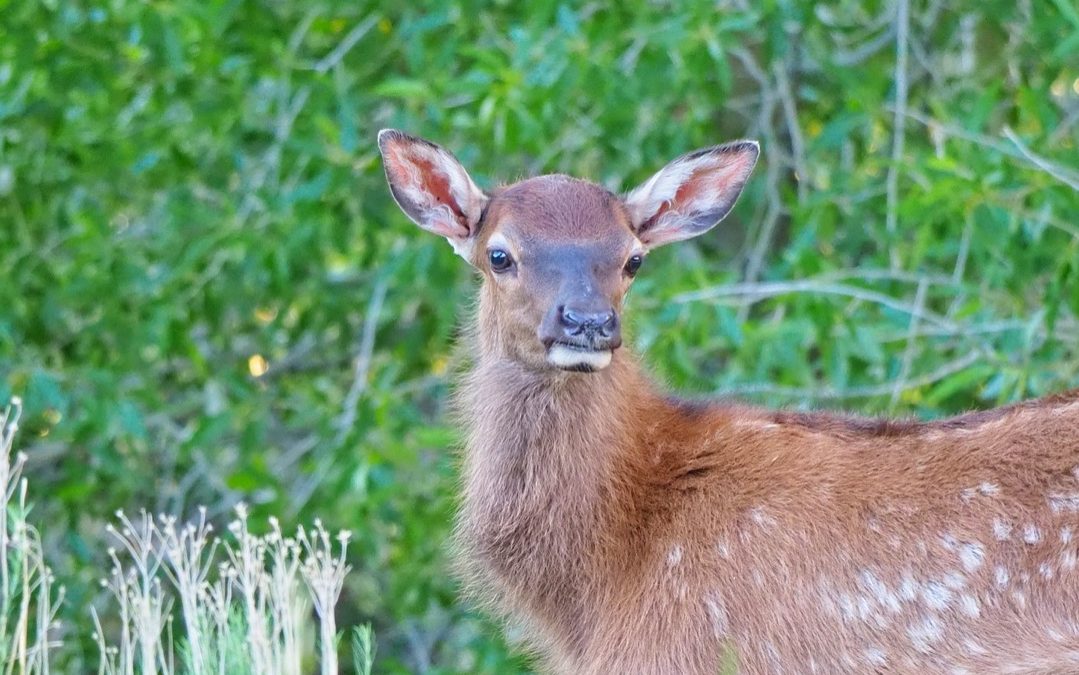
(578,357)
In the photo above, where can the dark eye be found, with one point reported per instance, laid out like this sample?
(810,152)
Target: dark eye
(500,260)
(634,264)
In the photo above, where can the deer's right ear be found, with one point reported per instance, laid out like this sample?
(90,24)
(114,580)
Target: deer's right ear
(692,194)
(432,188)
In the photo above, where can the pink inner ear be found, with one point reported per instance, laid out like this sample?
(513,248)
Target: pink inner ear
(426,179)
(687,192)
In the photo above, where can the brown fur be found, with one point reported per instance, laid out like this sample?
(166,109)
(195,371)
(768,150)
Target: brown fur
(795,542)
(625,531)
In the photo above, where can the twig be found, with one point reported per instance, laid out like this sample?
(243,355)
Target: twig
(347,43)
(754,292)
(883,389)
(908,352)
(961,263)
(774,209)
(288,109)
(347,418)
(790,113)
(867,49)
(1020,152)
(899,125)
(1058,172)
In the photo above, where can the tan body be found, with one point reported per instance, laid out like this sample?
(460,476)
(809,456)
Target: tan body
(619,530)
(698,535)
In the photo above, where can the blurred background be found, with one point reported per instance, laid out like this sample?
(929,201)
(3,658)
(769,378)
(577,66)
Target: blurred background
(208,296)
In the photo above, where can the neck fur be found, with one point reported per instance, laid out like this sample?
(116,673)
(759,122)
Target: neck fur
(548,457)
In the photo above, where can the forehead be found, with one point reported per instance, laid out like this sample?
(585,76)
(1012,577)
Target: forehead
(554,210)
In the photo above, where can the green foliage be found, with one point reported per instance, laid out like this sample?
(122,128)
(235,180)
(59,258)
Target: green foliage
(232,652)
(363,649)
(190,194)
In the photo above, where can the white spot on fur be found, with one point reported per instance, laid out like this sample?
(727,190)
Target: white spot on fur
(971,555)
(717,612)
(758,578)
(1068,560)
(1031,534)
(761,517)
(988,489)
(674,556)
(936,595)
(974,648)
(955,580)
(970,605)
(881,620)
(1001,529)
(773,656)
(948,541)
(1002,576)
(883,595)
(923,635)
(865,610)
(1066,534)
(1060,502)
(1020,599)
(876,656)
(846,603)
(908,589)
(1046,570)
(723,549)
(562,356)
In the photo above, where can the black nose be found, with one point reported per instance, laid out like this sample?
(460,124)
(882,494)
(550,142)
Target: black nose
(593,324)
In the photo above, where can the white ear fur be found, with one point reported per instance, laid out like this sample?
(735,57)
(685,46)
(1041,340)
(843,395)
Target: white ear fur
(692,194)
(432,188)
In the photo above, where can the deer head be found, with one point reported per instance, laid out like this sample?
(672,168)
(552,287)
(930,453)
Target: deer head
(558,254)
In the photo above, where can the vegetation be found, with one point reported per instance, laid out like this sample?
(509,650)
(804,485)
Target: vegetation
(209,297)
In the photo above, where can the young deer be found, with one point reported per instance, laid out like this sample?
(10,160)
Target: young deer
(622,530)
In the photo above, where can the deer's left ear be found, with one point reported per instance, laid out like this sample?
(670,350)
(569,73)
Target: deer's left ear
(432,188)
(692,194)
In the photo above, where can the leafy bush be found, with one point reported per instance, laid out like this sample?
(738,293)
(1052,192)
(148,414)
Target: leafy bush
(210,297)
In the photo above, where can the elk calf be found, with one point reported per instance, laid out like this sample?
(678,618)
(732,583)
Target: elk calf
(621,530)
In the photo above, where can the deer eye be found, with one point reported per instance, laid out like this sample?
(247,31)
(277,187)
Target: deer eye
(634,264)
(499,259)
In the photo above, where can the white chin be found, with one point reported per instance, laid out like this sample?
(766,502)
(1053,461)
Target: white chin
(569,358)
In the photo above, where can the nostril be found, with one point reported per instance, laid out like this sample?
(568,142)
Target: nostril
(570,319)
(607,321)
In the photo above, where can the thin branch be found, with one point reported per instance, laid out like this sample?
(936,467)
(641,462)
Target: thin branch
(883,389)
(1019,152)
(790,113)
(899,125)
(1058,172)
(754,292)
(774,206)
(347,43)
(347,418)
(862,52)
(908,352)
(961,264)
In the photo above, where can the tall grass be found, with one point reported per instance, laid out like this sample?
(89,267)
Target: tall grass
(186,600)
(244,600)
(30,602)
